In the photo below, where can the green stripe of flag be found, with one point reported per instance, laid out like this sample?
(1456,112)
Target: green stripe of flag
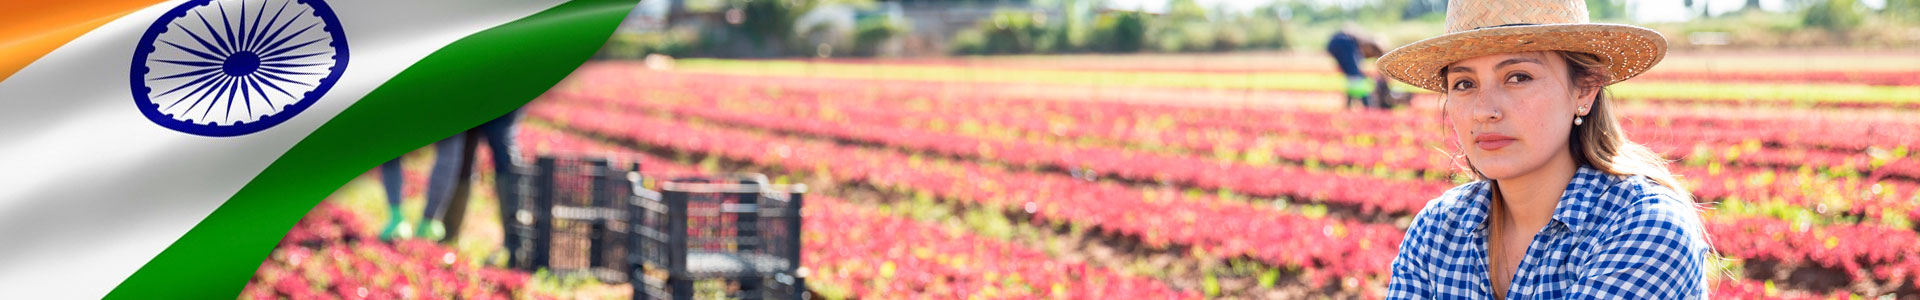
(466,83)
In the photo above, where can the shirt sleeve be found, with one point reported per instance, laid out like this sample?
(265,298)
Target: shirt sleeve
(1409,274)
(1652,252)
(1410,279)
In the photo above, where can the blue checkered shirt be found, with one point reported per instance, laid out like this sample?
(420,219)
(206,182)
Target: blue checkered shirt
(1611,237)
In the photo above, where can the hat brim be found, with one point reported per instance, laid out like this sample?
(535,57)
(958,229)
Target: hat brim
(1626,49)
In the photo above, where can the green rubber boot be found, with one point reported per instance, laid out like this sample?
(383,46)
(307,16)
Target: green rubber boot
(397,227)
(431,230)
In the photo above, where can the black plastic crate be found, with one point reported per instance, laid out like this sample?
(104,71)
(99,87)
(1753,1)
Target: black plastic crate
(575,221)
(738,229)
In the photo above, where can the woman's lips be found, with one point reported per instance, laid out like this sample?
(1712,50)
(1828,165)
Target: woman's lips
(1490,142)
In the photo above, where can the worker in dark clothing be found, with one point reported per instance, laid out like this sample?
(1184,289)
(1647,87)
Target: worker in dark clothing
(449,157)
(1348,47)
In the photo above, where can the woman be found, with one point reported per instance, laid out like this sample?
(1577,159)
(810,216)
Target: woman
(1564,206)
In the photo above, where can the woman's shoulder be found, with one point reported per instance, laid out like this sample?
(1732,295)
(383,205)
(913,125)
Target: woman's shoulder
(1441,224)
(1452,208)
(1639,193)
(1637,203)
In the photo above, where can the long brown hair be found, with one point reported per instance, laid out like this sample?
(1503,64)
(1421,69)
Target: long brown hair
(1599,142)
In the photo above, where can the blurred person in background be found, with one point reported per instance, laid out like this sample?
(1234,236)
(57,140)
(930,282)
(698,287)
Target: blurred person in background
(1564,206)
(1349,46)
(391,178)
(448,158)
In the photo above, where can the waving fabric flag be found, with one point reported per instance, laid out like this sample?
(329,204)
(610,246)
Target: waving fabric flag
(160,150)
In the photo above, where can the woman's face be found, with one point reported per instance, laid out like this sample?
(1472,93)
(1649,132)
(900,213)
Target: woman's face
(1512,112)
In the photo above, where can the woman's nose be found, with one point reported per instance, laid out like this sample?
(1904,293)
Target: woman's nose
(1487,104)
(1486,110)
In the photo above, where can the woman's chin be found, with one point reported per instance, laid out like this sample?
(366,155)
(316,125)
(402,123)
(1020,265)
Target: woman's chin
(1495,169)
(1496,175)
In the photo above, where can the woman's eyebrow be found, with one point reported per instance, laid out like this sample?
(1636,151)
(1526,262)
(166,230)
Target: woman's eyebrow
(1459,69)
(1517,60)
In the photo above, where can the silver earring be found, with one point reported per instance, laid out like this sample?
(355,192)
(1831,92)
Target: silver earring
(1576,120)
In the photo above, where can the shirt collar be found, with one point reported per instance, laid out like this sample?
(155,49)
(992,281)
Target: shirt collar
(1577,201)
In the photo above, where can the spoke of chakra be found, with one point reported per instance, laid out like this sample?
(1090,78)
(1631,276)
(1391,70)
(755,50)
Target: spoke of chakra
(291,57)
(240,94)
(285,65)
(190,63)
(253,29)
(197,90)
(241,40)
(277,52)
(196,38)
(274,86)
(278,39)
(274,77)
(279,29)
(215,33)
(264,36)
(224,89)
(246,99)
(176,101)
(286,72)
(233,93)
(189,72)
(195,53)
(226,22)
(214,93)
(195,82)
(254,81)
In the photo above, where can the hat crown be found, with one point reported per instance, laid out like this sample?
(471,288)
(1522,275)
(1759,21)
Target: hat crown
(1465,15)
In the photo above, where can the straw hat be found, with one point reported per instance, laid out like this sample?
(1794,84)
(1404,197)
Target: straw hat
(1481,27)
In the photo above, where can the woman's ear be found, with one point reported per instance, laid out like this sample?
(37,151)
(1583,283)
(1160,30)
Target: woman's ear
(1585,92)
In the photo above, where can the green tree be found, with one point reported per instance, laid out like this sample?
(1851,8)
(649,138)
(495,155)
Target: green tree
(1908,10)
(1607,9)
(1120,32)
(1833,15)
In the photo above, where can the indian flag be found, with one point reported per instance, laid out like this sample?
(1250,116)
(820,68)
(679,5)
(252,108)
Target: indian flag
(159,150)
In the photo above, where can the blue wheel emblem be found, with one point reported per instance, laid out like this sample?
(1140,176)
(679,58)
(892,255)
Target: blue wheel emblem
(234,67)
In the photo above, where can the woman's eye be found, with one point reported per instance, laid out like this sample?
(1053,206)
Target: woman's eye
(1518,78)
(1462,85)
